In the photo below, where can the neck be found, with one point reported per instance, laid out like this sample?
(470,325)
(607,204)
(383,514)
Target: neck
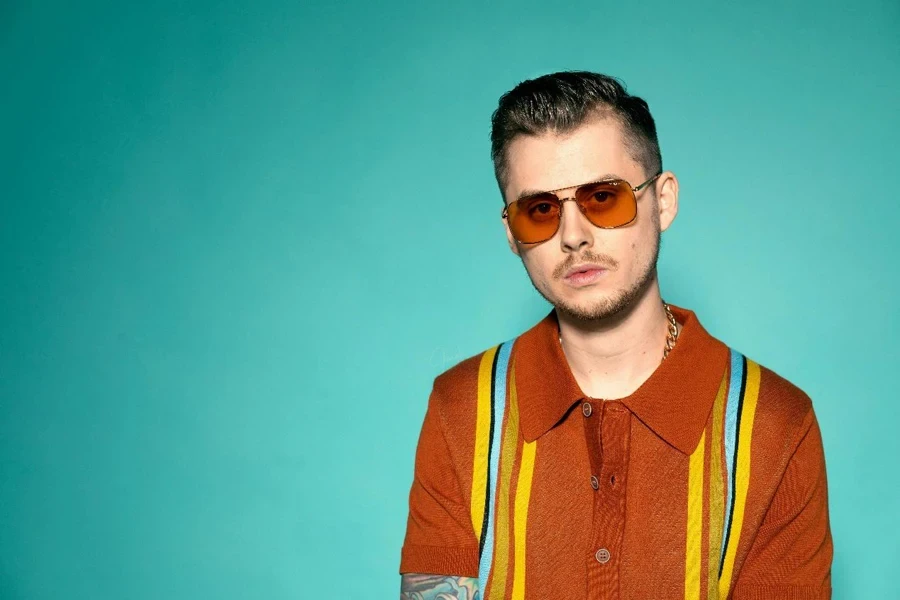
(612,357)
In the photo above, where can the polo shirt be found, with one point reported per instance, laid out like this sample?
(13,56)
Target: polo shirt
(707,482)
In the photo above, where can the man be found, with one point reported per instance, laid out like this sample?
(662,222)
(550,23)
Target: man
(615,449)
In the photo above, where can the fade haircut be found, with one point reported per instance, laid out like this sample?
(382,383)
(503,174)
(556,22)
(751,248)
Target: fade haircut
(561,102)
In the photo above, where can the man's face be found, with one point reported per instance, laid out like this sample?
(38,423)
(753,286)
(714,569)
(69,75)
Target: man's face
(627,254)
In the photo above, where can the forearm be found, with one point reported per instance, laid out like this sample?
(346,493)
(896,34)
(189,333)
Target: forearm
(415,586)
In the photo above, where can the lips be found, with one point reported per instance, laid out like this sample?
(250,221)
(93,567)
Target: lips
(584,268)
(585,274)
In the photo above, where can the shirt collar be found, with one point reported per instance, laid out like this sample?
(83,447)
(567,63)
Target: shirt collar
(674,402)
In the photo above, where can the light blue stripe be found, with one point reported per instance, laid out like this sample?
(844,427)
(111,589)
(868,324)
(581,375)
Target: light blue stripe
(734,390)
(484,566)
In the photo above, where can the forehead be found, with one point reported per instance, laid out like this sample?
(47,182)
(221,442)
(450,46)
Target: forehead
(553,160)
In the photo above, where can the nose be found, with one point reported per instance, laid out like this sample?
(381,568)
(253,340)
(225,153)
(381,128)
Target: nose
(575,230)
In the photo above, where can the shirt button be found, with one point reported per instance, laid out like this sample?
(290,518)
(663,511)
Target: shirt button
(602,555)
(595,483)
(586,408)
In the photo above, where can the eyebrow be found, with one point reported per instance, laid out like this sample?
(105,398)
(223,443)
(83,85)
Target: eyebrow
(529,193)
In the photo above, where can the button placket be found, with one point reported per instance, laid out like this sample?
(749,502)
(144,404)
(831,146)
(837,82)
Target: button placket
(608,441)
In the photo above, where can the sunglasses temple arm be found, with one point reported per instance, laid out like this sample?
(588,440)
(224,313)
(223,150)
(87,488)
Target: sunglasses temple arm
(648,182)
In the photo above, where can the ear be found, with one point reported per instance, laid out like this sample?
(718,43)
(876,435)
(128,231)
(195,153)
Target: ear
(667,199)
(513,244)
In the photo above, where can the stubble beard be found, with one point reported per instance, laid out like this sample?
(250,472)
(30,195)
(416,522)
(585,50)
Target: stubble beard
(615,303)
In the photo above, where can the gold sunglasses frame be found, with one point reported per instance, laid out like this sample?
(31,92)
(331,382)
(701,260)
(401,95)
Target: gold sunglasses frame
(634,190)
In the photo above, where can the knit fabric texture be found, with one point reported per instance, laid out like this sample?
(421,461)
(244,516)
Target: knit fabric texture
(708,482)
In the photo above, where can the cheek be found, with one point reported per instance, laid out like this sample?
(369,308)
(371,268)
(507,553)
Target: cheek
(642,248)
(632,249)
(539,264)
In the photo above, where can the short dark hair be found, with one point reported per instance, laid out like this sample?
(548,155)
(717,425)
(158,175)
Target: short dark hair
(565,100)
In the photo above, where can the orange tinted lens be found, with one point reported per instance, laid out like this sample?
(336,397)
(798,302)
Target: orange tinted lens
(608,203)
(534,219)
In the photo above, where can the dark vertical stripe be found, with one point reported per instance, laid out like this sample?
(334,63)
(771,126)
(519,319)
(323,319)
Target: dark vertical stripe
(737,439)
(487,487)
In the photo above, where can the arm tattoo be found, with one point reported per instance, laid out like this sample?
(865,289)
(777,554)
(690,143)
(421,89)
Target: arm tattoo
(438,587)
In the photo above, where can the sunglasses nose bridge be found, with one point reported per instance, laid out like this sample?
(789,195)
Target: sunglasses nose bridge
(562,205)
(579,213)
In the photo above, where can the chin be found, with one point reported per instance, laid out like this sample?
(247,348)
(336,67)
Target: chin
(597,306)
(603,299)
(587,313)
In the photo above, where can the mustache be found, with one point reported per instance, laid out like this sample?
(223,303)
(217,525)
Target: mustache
(607,262)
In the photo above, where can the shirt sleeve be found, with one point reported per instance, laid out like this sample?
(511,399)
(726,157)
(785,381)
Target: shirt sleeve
(791,556)
(440,539)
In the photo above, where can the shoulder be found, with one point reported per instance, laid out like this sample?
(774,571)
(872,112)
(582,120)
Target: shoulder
(463,394)
(455,391)
(783,415)
(782,400)
(456,409)
(461,374)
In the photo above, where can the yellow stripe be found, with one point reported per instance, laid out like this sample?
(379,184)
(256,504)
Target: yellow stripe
(523,495)
(694,522)
(716,492)
(482,436)
(507,458)
(742,477)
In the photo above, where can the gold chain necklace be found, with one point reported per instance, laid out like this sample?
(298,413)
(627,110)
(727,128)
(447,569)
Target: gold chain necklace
(671,336)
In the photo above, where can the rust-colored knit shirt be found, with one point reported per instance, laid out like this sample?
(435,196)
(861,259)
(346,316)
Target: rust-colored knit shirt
(707,482)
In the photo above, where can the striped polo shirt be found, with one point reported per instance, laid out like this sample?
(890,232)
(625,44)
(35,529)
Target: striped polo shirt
(707,482)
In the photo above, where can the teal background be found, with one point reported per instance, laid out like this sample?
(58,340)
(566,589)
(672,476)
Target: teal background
(238,241)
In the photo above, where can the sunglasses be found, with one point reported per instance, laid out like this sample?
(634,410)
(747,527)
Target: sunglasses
(608,204)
